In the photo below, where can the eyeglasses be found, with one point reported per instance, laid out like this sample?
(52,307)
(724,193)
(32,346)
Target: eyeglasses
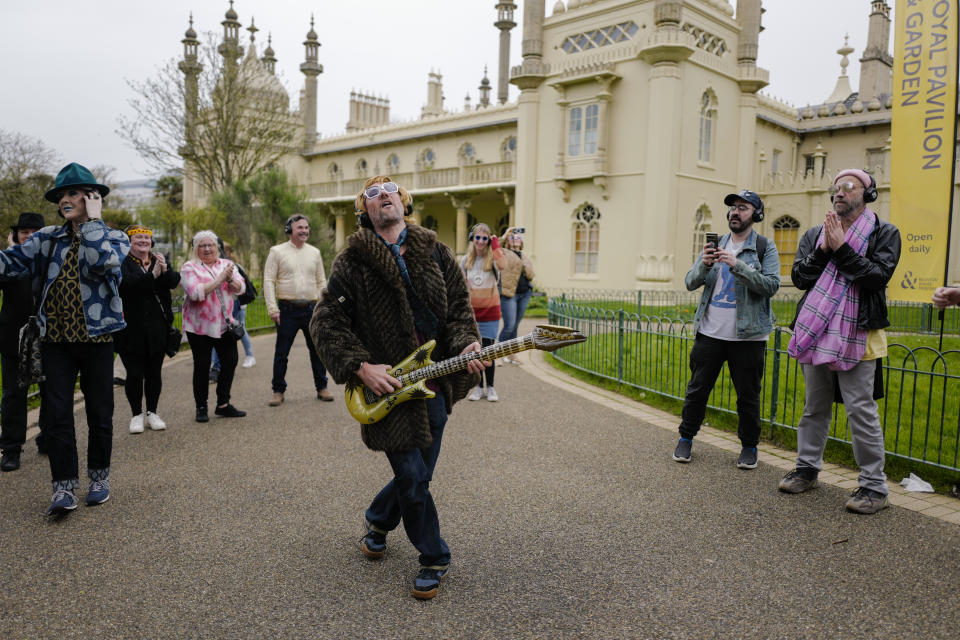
(742,208)
(481,238)
(846,187)
(374,190)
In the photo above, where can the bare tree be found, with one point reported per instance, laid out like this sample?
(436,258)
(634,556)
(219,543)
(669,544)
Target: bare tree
(242,122)
(27,166)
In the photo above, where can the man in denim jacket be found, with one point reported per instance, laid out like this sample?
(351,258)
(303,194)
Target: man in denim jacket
(733,320)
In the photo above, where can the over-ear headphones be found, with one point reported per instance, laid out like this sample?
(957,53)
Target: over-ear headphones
(870,193)
(757,213)
(288,225)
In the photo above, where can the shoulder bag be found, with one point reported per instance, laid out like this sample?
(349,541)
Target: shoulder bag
(29,363)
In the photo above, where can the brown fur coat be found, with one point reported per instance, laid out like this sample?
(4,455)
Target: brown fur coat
(380,330)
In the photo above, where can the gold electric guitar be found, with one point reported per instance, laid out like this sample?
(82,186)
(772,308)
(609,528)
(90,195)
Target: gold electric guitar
(417,368)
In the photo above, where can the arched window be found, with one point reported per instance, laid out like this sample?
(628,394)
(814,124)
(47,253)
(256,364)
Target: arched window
(786,235)
(361,168)
(708,122)
(586,239)
(333,170)
(427,158)
(430,223)
(393,163)
(508,150)
(701,224)
(467,152)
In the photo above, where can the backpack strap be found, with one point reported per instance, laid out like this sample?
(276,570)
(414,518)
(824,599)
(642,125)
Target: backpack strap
(761,247)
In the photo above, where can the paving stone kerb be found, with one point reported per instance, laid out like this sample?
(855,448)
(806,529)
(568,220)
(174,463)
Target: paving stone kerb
(566,518)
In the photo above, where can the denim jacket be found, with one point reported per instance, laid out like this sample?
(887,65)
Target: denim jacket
(101,252)
(754,285)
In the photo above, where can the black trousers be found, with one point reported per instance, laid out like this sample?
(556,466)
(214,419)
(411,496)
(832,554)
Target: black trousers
(745,360)
(202,347)
(143,379)
(62,362)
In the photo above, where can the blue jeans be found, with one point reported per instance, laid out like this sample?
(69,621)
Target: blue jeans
(512,310)
(240,315)
(407,497)
(295,319)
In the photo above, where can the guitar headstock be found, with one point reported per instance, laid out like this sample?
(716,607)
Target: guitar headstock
(550,337)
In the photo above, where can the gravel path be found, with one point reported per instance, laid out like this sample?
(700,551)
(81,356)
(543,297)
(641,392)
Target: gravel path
(566,519)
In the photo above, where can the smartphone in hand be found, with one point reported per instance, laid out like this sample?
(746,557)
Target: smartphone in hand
(712,239)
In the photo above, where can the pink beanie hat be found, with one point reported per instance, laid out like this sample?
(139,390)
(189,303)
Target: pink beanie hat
(859,174)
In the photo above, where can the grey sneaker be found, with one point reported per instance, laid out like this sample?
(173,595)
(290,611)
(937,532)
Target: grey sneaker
(682,452)
(866,501)
(748,458)
(799,480)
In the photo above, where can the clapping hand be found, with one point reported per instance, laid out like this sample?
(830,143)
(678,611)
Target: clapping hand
(944,297)
(832,231)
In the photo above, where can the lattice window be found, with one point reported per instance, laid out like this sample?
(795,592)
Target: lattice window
(706,40)
(586,239)
(393,163)
(603,37)
(575,131)
(508,150)
(701,224)
(582,131)
(427,158)
(708,118)
(786,235)
(467,152)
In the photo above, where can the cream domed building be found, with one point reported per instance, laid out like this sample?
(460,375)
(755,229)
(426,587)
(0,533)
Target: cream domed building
(634,119)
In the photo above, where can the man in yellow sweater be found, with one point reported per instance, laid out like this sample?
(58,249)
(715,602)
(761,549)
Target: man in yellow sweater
(293,278)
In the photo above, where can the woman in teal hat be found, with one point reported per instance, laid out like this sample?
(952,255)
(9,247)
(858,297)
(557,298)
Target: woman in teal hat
(76,269)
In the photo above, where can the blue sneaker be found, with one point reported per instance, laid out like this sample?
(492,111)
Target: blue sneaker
(99,486)
(427,582)
(748,458)
(374,543)
(64,501)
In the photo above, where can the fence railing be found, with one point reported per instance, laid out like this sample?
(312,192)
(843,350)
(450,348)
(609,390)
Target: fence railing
(920,411)
(905,317)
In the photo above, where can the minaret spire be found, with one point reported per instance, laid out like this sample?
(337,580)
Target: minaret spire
(504,23)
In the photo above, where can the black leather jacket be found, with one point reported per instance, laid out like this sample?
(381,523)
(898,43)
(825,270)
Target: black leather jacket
(871,271)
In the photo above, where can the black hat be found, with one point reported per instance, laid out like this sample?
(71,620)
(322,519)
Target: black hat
(29,220)
(746,196)
(75,175)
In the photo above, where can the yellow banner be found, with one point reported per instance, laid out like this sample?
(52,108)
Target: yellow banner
(922,142)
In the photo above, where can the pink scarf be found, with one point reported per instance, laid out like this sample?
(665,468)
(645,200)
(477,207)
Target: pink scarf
(826,330)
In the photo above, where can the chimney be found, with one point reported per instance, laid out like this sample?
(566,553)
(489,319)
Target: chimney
(876,65)
(434,106)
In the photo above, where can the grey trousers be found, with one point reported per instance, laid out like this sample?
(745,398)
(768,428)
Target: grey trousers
(856,386)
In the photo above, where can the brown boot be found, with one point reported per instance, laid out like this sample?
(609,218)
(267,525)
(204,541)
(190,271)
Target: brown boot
(276,400)
(324,395)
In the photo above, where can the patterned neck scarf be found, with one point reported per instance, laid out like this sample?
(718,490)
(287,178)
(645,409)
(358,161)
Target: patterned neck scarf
(826,331)
(425,320)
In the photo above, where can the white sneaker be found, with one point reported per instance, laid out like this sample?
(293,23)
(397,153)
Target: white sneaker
(136,424)
(248,362)
(154,422)
(507,360)
(492,394)
(476,394)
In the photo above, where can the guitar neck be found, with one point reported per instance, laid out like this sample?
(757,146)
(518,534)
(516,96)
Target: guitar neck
(457,363)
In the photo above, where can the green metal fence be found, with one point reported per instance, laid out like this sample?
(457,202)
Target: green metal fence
(920,411)
(905,317)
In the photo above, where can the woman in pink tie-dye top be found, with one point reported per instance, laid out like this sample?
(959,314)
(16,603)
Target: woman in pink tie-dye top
(481,267)
(211,282)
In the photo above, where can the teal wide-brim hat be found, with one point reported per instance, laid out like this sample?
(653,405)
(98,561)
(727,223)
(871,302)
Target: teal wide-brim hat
(75,175)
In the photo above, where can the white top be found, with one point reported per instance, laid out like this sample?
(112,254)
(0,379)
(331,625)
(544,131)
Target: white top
(292,274)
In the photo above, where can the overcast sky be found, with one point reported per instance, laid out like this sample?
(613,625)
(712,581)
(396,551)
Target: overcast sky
(66,62)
